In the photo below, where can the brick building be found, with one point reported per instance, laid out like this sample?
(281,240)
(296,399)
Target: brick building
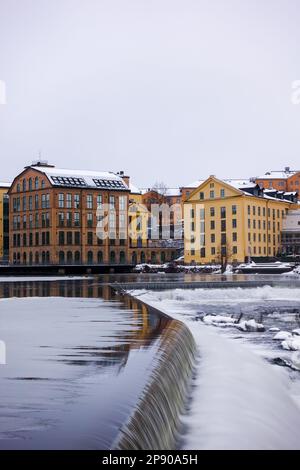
(53,216)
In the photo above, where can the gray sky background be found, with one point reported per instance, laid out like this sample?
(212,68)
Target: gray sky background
(163,89)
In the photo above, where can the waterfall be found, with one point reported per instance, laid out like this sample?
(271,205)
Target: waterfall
(155,422)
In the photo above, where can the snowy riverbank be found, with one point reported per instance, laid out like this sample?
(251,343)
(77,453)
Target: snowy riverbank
(240,400)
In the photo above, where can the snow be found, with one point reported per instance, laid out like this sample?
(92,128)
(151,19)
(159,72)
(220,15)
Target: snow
(292,344)
(281,335)
(239,400)
(41,278)
(274,329)
(250,325)
(88,175)
(217,319)
(296,331)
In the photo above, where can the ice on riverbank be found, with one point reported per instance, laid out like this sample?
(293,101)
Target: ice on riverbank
(240,401)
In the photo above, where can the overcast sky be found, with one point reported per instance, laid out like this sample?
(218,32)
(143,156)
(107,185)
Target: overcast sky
(162,89)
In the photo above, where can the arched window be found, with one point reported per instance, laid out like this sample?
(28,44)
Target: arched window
(100,257)
(24,258)
(30,258)
(90,257)
(43,257)
(61,257)
(143,257)
(30,184)
(36,182)
(77,257)
(122,257)
(153,257)
(47,257)
(18,187)
(24,184)
(69,257)
(112,257)
(43,184)
(37,258)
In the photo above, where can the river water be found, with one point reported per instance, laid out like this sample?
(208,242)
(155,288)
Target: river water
(79,357)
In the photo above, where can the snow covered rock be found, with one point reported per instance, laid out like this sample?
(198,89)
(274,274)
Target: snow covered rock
(282,335)
(291,344)
(218,320)
(296,332)
(250,325)
(274,329)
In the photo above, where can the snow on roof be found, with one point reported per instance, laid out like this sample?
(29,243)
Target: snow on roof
(270,175)
(5,184)
(82,178)
(240,184)
(173,192)
(134,189)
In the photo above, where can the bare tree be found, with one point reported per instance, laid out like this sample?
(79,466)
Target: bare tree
(160,187)
(224,255)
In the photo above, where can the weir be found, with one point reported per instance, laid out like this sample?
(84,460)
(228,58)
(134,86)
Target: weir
(155,422)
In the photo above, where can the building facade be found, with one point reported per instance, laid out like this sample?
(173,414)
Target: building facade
(287,180)
(60,216)
(291,234)
(4,222)
(233,221)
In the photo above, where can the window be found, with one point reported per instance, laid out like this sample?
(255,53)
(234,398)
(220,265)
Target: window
(89,219)
(212,211)
(69,238)
(211,194)
(222,193)
(234,250)
(233,210)
(36,182)
(89,201)
(69,201)
(30,203)
(69,219)
(24,203)
(36,201)
(223,238)
(122,221)
(201,195)
(111,202)
(123,203)
(24,185)
(234,236)
(61,238)
(77,238)
(112,220)
(61,219)
(223,225)
(76,201)
(43,184)
(30,184)
(213,250)
(213,238)
(249,210)
(99,201)
(192,213)
(76,219)
(223,212)
(61,200)
(212,225)
(234,223)
(90,238)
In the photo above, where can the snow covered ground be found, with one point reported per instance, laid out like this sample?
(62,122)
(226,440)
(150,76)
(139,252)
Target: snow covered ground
(241,398)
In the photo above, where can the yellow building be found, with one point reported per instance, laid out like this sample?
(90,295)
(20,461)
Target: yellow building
(4,214)
(233,220)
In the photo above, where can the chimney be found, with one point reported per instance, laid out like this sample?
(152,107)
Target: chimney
(125,178)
